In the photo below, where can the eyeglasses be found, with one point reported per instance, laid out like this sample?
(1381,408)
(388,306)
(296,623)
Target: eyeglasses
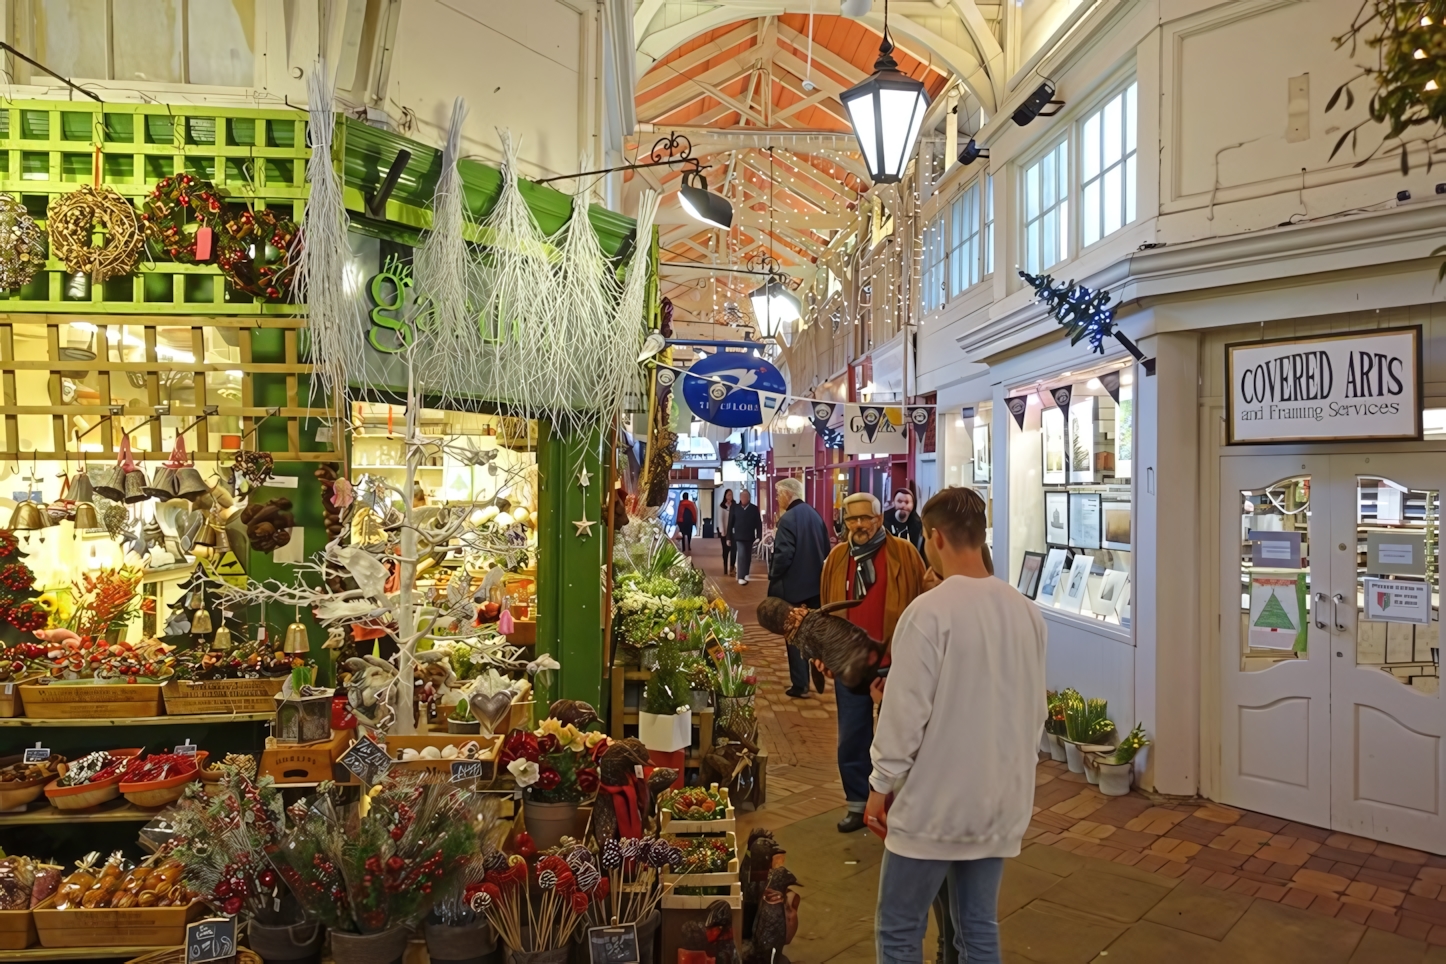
(858,519)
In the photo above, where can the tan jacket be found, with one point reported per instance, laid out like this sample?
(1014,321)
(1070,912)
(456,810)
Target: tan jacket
(903,569)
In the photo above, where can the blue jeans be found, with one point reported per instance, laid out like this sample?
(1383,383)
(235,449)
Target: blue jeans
(798,675)
(907,888)
(855,736)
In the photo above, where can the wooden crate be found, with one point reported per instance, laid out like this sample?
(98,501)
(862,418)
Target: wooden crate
(90,701)
(154,926)
(491,749)
(304,762)
(17,930)
(187,697)
(699,828)
(674,919)
(11,705)
(723,878)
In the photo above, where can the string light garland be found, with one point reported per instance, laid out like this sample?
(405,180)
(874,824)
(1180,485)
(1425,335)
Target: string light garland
(22,245)
(75,220)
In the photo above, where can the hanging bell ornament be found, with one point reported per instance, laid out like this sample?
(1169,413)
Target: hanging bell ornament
(297,642)
(28,516)
(222,640)
(189,484)
(201,622)
(195,600)
(85,517)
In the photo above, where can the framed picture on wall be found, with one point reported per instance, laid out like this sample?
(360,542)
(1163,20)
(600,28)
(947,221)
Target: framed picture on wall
(1116,524)
(1029,572)
(981,450)
(1056,518)
(1084,520)
(1056,460)
(1076,583)
(1082,439)
(1105,597)
(1050,576)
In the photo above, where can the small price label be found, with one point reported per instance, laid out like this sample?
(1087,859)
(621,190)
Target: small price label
(37,754)
(464,770)
(212,939)
(186,749)
(281,482)
(368,760)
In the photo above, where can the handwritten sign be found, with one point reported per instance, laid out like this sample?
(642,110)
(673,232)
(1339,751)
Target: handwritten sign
(186,749)
(613,945)
(368,760)
(464,770)
(37,754)
(212,939)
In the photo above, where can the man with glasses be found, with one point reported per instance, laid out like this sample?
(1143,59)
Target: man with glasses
(886,574)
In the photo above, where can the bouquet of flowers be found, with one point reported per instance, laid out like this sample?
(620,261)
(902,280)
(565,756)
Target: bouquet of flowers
(555,763)
(106,601)
(223,843)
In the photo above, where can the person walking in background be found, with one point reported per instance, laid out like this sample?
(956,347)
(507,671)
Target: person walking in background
(968,660)
(745,526)
(725,508)
(903,522)
(886,574)
(687,519)
(800,546)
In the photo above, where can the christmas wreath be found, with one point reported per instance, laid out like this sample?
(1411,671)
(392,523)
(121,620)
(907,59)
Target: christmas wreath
(74,220)
(256,253)
(22,246)
(175,213)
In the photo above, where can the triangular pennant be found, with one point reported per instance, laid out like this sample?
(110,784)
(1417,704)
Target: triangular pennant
(821,415)
(666,377)
(1061,396)
(769,403)
(921,416)
(1111,381)
(870,416)
(718,393)
(1017,406)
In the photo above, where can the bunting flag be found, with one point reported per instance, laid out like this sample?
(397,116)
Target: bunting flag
(718,393)
(666,378)
(872,415)
(1061,396)
(920,416)
(1111,381)
(1017,406)
(822,415)
(770,403)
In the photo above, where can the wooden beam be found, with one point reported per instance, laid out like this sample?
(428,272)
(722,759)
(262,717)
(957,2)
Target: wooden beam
(686,93)
(662,72)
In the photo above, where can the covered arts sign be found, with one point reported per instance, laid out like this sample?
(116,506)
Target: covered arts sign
(1364,386)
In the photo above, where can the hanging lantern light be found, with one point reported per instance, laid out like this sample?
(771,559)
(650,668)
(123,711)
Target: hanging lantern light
(711,209)
(886,112)
(774,306)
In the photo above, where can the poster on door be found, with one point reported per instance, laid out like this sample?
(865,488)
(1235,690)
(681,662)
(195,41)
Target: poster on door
(1277,611)
(1398,601)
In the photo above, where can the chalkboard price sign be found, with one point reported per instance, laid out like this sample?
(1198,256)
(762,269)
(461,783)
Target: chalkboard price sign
(368,760)
(464,770)
(37,754)
(613,945)
(212,939)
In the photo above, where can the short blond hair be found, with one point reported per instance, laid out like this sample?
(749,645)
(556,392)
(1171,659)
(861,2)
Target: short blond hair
(792,486)
(869,497)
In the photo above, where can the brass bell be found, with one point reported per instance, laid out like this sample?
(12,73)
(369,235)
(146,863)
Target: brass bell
(222,640)
(190,485)
(109,482)
(163,484)
(297,642)
(81,490)
(196,599)
(86,517)
(209,536)
(201,622)
(28,516)
(133,485)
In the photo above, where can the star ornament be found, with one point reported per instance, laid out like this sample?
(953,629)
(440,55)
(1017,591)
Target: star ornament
(584,526)
(584,478)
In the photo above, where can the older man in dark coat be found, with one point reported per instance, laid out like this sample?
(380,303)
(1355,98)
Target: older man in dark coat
(800,546)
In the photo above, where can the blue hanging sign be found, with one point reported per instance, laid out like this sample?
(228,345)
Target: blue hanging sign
(728,396)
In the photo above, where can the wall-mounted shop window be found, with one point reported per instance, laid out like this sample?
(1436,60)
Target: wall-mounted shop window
(935,262)
(987,240)
(1071,513)
(968,454)
(1046,209)
(1107,167)
(964,228)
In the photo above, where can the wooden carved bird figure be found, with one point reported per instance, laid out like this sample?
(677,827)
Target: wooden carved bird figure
(753,869)
(625,801)
(848,652)
(771,931)
(572,713)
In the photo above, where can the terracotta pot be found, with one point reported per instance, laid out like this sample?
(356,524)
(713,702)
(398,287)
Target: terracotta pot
(287,942)
(386,947)
(548,823)
(465,944)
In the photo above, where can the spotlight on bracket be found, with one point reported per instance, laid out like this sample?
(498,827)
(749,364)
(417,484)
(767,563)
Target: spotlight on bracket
(711,209)
(377,203)
(1036,103)
(972,152)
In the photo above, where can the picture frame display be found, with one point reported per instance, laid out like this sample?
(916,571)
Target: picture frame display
(1077,584)
(1082,439)
(982,454)
(1084,520)
(1105,594)
(1115,520)
(1029,572)
(1056,518)
(1056,459)
(1125,433)
(1051,575)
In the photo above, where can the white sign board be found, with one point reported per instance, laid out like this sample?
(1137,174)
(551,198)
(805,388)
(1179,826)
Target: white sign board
(793,450)
(1365,386)
(1398,601)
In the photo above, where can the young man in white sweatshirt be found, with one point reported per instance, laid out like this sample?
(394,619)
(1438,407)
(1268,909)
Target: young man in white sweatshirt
(956,741)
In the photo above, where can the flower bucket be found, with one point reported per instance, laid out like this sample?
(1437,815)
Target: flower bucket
(1044,744)
(287,942)
(1091,769)
(647,934)
(386,947)
(1115,778)
(1074,756)
(1056,748)
(548,823)
(666,732)
(736,719)
(701,699)
(465,944)
(558,955)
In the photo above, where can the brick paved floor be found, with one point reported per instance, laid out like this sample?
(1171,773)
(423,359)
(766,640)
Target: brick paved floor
(1114,879)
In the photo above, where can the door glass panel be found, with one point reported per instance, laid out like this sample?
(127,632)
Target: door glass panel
(1274,573)
(1398,580)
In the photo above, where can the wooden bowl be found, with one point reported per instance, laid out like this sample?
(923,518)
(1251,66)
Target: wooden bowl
(159,793)
(87,794)
(18,793)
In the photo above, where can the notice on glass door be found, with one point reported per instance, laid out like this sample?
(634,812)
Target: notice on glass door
(1398,601)
(1277,611)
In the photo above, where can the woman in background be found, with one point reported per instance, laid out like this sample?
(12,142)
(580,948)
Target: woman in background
(720,525)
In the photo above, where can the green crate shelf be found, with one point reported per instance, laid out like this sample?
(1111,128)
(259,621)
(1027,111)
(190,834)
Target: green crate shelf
(51,147)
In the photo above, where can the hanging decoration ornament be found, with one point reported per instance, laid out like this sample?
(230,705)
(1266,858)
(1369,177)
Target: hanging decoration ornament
(95,232)
(1085,315)
(22,245)
(255,467)
(255,253)
(180,217)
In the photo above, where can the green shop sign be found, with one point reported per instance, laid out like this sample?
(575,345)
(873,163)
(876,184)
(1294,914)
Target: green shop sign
(399,311)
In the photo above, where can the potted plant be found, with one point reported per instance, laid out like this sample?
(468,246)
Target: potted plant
(1087,726)
(737,686)
(665,722)
(461,720)
(701,680)
(1055,722)
(556,768)
(1116,768)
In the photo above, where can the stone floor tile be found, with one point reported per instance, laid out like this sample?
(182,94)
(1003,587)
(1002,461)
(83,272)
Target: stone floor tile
(1149,943)
(1151,862)
(1046,933)
(1325,905)
(1271,892)
(1108,895)
(1219,813)
(1413,928)
(1434,875)
(1221,880)
(1384,920)
(1172,869)
(1282,855)
(1200,910)
(1244,887)
(1389,897)
(1197,875)
(1358,913)
(1276,934)
(1022,883)
(1437,937)
(1392,852)
(1320,882)
(1295,897)
(1383,947)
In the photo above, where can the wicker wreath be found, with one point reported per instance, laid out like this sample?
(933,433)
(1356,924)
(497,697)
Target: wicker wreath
(74,220)
(176,204)
(22,245)
(255,253)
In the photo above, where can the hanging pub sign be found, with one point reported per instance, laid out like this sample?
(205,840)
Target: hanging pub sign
(723,388)
(1364,386)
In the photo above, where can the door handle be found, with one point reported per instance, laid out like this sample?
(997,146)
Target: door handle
(1336,601)
(1320,601)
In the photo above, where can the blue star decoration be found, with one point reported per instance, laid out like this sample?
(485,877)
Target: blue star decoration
(1084,314)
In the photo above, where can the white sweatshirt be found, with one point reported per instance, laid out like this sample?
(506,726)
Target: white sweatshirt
(958,732)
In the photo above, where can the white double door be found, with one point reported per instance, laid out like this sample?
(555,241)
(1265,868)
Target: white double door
(1351,733)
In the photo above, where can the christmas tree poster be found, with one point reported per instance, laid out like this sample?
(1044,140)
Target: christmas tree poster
(1277,611)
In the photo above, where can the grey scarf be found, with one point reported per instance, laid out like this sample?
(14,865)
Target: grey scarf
(863,556)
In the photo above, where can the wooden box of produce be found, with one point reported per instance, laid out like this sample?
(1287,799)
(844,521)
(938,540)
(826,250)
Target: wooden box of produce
(490,749)
(11,705)
(91,701)
(188,697)
(304,762)
(723,885)
(150,926)
(17,930)
(721,825)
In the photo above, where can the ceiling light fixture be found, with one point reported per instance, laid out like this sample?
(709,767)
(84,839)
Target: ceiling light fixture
(695,198)
(886,112)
